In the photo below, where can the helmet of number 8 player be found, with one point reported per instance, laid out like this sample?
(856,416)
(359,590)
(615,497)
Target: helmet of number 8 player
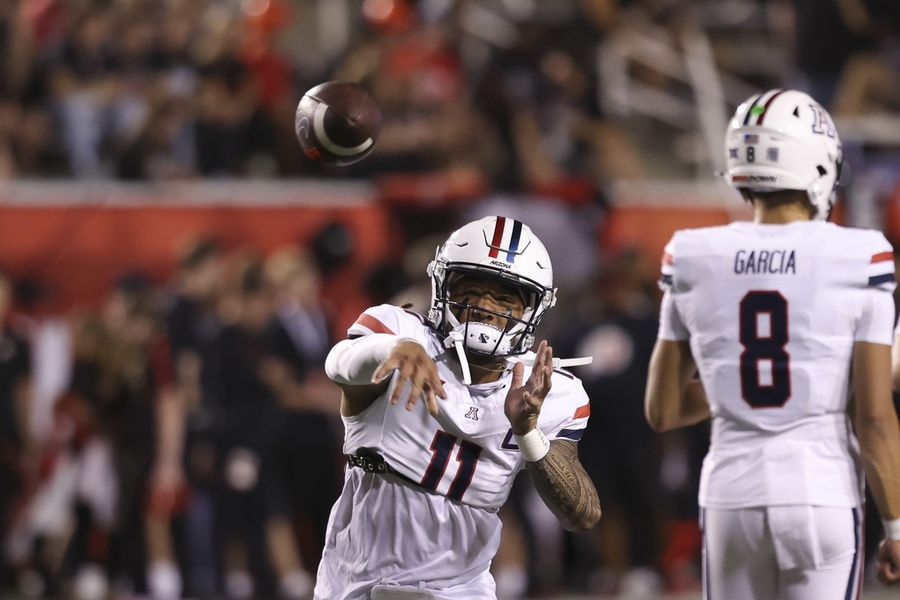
(784,140)
(495,247)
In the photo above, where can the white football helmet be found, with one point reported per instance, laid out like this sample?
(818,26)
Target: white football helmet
(498,247)
(784,140)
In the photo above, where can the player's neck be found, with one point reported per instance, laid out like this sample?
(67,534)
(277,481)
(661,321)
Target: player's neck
(780,214)
(486,371)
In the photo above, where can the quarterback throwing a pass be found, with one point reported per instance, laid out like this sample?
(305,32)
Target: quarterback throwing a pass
(775,315)
(440,414)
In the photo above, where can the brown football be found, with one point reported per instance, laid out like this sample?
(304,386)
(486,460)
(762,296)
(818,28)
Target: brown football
(337,123)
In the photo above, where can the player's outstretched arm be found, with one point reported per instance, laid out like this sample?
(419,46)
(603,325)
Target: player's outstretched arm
(875,422)
(673,398)
(361,368)
(558,475)
(565,487)
(895,362)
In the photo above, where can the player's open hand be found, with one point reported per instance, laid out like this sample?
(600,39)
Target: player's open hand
(415,366)
(524,401)
(888,570)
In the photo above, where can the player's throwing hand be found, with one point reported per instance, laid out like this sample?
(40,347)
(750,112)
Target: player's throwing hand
(414,365)
(523,402)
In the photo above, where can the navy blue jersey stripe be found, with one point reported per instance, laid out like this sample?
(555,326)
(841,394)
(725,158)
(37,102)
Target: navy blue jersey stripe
(750,110)
(879,279)
(514,241)
(849,594)
(564,373)
(570,434)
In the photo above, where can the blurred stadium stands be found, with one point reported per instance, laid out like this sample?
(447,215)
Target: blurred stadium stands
(157,216)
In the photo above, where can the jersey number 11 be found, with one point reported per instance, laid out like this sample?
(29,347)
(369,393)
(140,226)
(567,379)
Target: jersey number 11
(441,448)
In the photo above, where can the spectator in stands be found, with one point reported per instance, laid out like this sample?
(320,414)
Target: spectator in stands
(193,326)
(147,448)
(305,423)
(247,418)
(15,397)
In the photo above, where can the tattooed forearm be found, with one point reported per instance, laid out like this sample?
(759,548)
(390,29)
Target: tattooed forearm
(565,487)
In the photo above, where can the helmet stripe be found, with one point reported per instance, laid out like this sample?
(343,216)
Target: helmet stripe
(769,102)
(514,241)
(499,226)
(750,110)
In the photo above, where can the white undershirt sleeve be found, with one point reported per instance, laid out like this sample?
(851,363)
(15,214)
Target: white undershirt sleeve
(353,362)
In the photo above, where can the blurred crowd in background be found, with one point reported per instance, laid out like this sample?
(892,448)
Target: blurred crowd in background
(523,94)
(181,439)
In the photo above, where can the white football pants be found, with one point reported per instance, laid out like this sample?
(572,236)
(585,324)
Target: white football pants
(782,553)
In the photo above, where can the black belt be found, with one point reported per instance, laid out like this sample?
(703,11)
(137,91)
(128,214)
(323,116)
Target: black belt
(371,461)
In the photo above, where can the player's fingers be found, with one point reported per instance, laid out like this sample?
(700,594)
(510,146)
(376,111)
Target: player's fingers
(431,401)
(403,373)
(386,366)
(433,380)
(548,379)
(416,387)
(518,370)
(893,569)
(541,355)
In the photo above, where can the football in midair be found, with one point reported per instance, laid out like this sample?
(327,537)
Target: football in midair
(337,123)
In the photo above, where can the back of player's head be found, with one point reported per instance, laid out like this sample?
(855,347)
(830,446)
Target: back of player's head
(498,247)
(784,140)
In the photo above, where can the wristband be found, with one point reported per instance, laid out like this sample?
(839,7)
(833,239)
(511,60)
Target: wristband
(534,445)
(891,529)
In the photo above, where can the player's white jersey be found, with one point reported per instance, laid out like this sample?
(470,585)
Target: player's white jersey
(442,528)
(772,313)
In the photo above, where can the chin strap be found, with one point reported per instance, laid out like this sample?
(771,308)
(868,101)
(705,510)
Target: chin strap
(455,339)
(558,363)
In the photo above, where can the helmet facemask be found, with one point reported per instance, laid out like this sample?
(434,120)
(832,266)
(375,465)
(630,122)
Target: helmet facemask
(496,249)
(483,338)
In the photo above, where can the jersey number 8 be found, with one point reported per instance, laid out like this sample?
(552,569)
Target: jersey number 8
(765,345)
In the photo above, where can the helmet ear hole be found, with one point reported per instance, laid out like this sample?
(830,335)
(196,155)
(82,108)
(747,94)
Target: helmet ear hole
(796,112)
(822,170)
